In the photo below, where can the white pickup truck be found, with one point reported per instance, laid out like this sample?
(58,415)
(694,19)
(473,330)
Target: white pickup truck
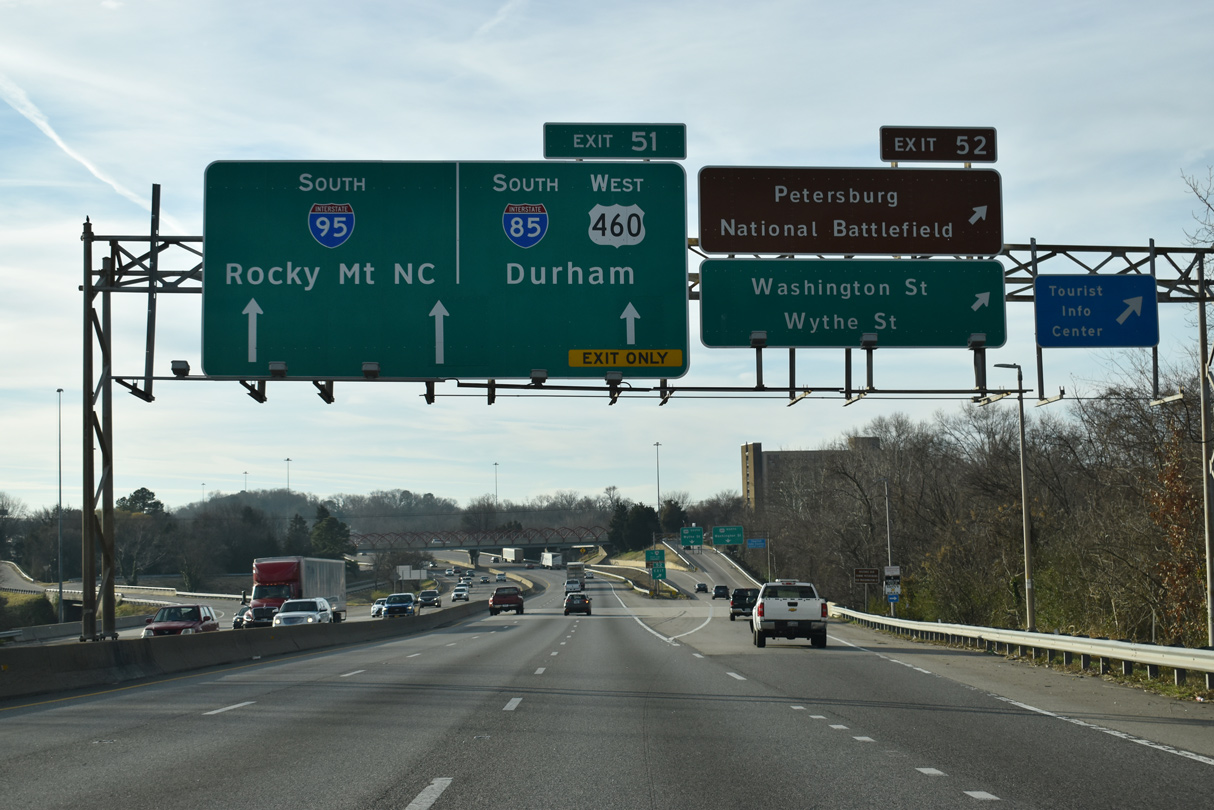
(789,609)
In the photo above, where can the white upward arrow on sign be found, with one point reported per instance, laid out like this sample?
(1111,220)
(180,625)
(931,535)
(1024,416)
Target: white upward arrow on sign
(252,310)
(438,313)
(631,315)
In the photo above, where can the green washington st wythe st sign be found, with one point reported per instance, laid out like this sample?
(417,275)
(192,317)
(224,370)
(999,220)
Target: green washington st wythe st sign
(445,269)
(836,303)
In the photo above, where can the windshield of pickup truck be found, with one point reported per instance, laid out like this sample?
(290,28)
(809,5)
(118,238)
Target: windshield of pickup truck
(789,592)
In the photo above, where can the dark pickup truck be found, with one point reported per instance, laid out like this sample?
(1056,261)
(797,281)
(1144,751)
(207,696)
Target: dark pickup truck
(742,602)
(507,597)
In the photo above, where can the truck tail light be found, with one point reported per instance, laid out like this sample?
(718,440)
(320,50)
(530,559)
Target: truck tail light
(759,608)
(824,610)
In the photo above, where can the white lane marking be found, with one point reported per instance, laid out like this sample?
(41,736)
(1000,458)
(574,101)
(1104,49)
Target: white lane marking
(513,704)
(798,708)
(229,708)
(429,795)
(863,739)
(413,656)
(735,676)
(452,644)
(355,672)
(982,795)
(697,655)
(563,643)
(817,717)
(555,653)
(840,728)
(1180,752)
(930,772)
(540,671)
(667,639)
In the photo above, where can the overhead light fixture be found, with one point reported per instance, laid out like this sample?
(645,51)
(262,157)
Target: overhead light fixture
(278,368)
(181,368)
(539,376)
(758,340)
(977,340)
(868,340)
(371,370)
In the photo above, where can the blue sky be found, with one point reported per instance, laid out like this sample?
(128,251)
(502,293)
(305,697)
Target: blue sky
(1099,108)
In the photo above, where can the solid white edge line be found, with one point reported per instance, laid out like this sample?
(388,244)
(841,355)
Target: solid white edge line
(229,708)
(429,794)
(1180,752)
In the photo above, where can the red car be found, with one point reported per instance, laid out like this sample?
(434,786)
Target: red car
(181,620)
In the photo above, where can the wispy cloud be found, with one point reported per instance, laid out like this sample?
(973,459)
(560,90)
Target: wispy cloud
(16,98)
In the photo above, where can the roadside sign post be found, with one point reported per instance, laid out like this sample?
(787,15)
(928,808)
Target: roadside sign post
(866,577)
(404,270)
(851,211)
(893,585)
(834,303)
(1092,311)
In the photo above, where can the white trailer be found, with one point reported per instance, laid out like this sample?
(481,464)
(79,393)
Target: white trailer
(514,555)
(550,559)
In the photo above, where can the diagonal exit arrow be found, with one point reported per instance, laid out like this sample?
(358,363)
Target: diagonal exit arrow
(252,310)
(1135,306)
(984,300)
(979,213)
(631,315)
(438,313)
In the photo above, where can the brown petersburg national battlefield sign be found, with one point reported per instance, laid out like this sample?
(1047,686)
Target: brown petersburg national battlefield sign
(850,211)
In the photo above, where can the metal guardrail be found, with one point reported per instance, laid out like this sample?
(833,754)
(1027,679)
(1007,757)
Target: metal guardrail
(1181,660)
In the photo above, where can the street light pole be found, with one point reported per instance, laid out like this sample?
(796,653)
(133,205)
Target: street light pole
(658,460)
(246,481)
(1030,607)
(495,485)
(60,392)
(288,476)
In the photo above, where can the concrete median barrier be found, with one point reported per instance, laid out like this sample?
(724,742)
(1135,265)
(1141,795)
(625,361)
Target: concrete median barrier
(28,671)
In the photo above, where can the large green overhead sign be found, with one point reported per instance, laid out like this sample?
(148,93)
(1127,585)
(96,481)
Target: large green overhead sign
(445,270)
(836,303)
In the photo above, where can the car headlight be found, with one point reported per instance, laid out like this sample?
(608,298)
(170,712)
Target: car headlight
(276,622)
(311,619)
(147,633)
(187,631)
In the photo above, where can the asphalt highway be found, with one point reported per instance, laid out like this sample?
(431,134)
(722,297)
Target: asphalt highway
(645,704)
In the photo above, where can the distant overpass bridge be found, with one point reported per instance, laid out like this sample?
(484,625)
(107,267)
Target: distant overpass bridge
(532,541)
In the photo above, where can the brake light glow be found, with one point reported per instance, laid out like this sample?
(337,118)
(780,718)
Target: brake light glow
(759,607)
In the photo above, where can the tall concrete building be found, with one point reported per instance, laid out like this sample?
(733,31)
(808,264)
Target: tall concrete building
(762,472)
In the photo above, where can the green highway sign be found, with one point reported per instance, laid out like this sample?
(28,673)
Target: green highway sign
(616,141)
(691,536)
(655,555)
(835,303)
(409,270)
(658,571)
(727,535)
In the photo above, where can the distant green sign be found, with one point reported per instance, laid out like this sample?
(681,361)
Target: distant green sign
(655,555)
(616,141)
(727,535)
(691,535)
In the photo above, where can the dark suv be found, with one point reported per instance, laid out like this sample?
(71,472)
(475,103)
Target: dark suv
(720,592)
(742,602)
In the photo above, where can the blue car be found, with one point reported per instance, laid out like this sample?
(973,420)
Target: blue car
(399,604)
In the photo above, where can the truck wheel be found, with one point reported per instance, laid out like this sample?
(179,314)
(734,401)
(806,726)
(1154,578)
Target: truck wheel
(760,639)
(819,641)
(492,612)
(520,611)
(732,617)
